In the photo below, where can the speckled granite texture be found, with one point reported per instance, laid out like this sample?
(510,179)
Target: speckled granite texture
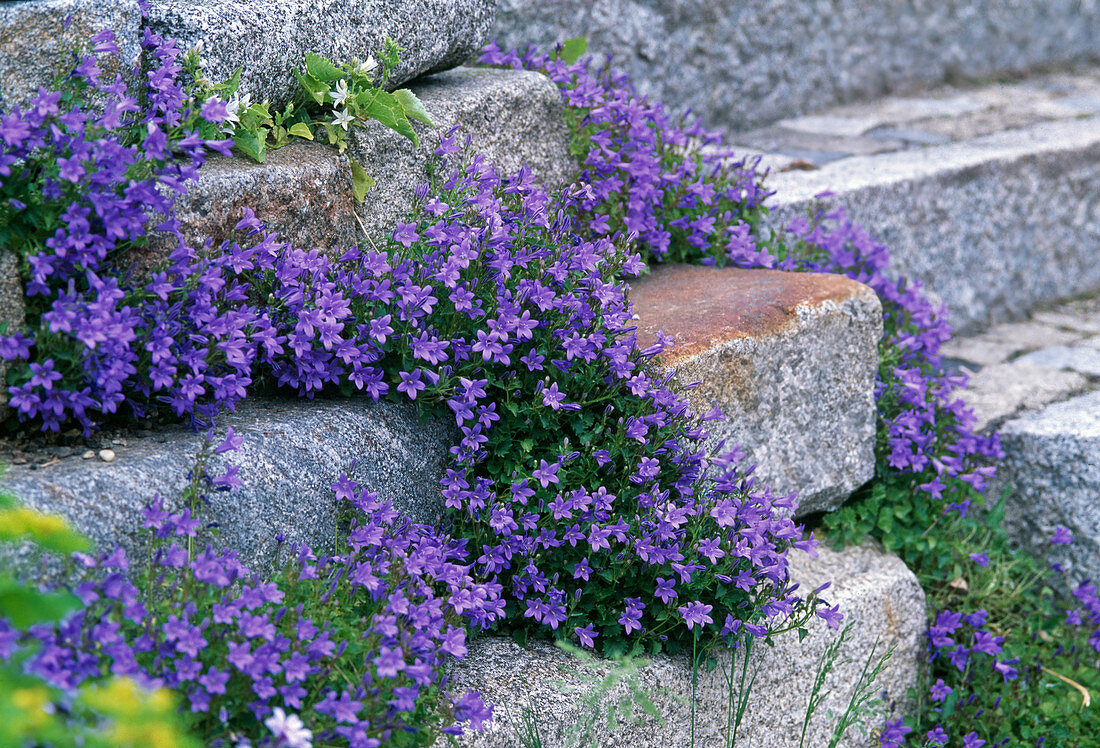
(743,63)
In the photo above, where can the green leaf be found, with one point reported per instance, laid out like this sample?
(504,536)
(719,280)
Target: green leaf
(361,182)
(572,49)
(301,129)
(527,444)
(322,69)
(412,106)
(386,109)
(313,88)
(252,144)
(25,606)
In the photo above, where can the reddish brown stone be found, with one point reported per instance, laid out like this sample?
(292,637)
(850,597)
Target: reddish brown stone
(702,307)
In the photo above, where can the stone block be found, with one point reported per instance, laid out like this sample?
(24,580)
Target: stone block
(790,358)
(303,191)
(293,451)
(1001,343)
(874,590)
(268,39)
(741,65)
(512,117)
(38,37)
(1001,391)
(1052,465)
(996,225)
(1082,360)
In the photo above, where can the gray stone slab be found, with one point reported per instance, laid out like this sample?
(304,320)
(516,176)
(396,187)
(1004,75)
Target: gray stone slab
(1000,343)
(303,192)
(1052,464)
(740,65)
(268,39)
(1003,390)
(995,226)
(789,358)
(875,590)
(1081,360)
(1068,318)
(293,451)
(513,117)
(785,140)
(909,136)
(37,38)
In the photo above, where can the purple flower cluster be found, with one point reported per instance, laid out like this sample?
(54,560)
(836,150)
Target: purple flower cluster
(348,643)
(686,197)
(82,185)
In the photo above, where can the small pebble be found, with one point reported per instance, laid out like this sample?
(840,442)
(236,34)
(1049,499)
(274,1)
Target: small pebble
(89,454)
(107,455)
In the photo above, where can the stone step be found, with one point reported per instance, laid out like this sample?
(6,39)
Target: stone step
(740,65)
(560,691)
(303,191)
(293,451)
(790,359)
(1000,216)
(791,363)
(267,39)
(1036,383)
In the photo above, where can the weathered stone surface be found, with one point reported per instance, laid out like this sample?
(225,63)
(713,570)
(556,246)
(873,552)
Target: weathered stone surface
(1000,343)
(1003,390)
(268,39)
(37,38)
(874,590)
(790,358)
(12,311)
(739,65)
(1083,360)
(512,117)
(293,451)
(303,192)
(1052,463)
(995,225)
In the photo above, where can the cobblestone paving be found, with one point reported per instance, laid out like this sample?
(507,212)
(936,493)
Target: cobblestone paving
(945,115)
(1027,365)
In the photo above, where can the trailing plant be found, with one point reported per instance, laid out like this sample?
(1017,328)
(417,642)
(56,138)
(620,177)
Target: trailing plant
(672,185)
(332,98)
(343,649)
(104,712)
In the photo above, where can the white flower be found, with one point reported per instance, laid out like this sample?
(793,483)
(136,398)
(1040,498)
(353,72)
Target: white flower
(343,118)
(289,730)
(341,93)
(234,107)
(367,66)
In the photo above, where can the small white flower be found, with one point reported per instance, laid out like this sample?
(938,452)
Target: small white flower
(341,93)
(365,67)
(289,730)
(343,118)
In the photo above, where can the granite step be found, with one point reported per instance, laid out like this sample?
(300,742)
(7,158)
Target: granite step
(1037,383)
(561,691)
(267,39)
(789,358)
(303,191)
(293,450)
(792,365)
(990,196)
(744,64)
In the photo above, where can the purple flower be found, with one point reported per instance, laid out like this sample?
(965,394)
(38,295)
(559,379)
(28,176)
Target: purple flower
(940,690)
(696,613)
(1062,535)
(980,559)
(832,616)
(586,634)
